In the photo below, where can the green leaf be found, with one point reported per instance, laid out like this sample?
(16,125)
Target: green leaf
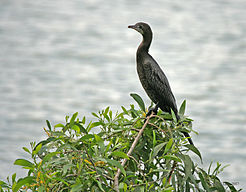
(194,149)
(151,186)
(3,185)
(120,154)
(204,184)
(154,138)
(109,146)
(99,184)
(95,124)
(169,189)
(59,125)
(66,167)
(94,114)
(164,180)
(216,170)
(231,187)
(141,188)
(37,148)
(106,117)
(98,138)
(158,148)
(116,164)
(124,109)
(44,142)
(172,157)
(73,118)
(110,114)
(100,142)
(77,187)
(82,129)
(13,178)
(168,146)
(188,166)
(23,181)
(123,186)
(24,163)
(194,181)
(106,111)
(59,179)
(41,189)
(218,185)
(139,100)
(209,167)
(48,124)
(48,157)
(83,120)
(76,129)
(27,150)
(66,118)
(174,116)
(87,137)
(182,108)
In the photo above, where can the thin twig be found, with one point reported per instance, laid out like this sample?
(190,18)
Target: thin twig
(92,164)
(149,182)
(131,128)
(111,179)
(134,160)
(116,178)
(158,161)
(158,128)
(134,129)
(171,172)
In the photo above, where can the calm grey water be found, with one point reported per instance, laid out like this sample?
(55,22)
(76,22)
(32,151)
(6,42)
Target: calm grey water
(59,57)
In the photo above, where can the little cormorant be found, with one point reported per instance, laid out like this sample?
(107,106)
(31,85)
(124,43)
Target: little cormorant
(152,78)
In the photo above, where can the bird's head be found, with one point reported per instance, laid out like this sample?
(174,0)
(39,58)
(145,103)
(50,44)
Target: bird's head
(142,28)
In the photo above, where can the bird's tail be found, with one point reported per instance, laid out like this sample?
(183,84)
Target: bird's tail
(185,133)
(188,137)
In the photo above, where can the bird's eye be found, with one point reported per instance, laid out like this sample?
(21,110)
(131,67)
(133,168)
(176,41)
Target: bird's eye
(140,27)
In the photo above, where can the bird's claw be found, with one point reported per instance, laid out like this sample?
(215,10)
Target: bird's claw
(154,110)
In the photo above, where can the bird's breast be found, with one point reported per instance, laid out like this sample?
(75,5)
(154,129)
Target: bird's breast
(144,77)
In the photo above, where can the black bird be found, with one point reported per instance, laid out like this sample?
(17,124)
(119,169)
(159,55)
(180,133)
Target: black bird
(152,78)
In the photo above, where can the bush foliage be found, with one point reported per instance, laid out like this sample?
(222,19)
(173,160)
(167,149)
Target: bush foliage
(81,156)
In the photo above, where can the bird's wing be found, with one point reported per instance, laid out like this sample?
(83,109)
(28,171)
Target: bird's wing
(159,82)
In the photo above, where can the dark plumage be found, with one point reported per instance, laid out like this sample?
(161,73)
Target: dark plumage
(152,78)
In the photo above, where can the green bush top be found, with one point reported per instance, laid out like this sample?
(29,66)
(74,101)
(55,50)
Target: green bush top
(129,153)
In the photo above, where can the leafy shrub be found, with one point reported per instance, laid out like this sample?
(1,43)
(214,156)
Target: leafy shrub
(73,158)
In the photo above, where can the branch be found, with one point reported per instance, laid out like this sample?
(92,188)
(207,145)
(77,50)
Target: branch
(171,172)
(116,178)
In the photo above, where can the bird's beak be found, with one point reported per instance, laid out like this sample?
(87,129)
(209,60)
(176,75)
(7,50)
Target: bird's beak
(131,26)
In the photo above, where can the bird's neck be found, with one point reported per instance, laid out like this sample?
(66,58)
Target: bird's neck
(144,46)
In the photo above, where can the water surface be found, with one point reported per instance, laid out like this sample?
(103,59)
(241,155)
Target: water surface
(60,57)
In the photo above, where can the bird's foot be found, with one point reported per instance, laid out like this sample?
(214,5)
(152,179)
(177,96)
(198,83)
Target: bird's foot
(153,109)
